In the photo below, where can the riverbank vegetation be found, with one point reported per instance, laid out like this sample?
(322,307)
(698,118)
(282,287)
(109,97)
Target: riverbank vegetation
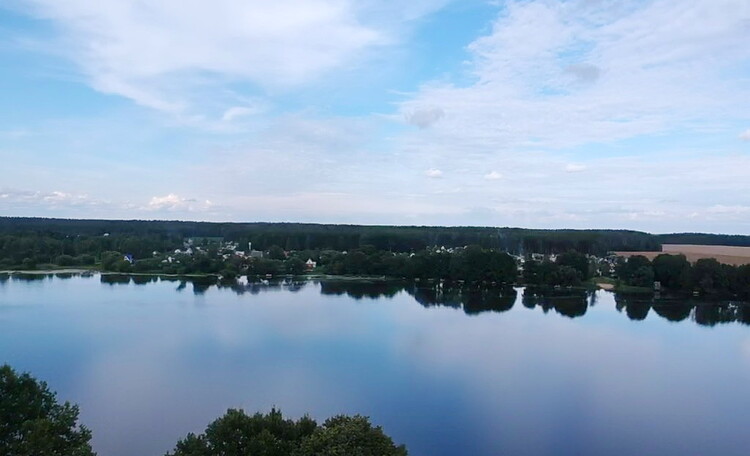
(493,256)
(706,277)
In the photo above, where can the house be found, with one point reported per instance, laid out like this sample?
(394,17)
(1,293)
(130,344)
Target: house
(310,264)
(129,258)
(256,254)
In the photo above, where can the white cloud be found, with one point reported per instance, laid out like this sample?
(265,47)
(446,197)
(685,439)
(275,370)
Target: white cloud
(172,202)
(236,112)
(176,55)
(629,56)
(745,135)
(584,72)
(729,210)
(433,173)
(46,198)
(493,175)
(574,168)
(425,117)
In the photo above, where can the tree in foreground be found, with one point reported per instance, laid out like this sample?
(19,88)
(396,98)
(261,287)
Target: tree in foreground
(33,423)
(239,434)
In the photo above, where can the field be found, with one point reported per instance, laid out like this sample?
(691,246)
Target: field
(722,253)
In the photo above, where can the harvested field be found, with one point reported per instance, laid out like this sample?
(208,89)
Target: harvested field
(722,253)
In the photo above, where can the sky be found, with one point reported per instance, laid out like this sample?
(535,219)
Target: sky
(533,113)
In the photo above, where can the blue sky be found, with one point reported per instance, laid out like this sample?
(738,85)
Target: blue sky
(534,113)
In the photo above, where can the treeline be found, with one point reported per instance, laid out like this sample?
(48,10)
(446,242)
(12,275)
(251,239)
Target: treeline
(706,277)
(29,249)
(299,236)
(471,264)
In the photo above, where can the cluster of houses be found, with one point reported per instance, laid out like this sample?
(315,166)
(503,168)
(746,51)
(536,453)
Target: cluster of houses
(602,265)
(226,250)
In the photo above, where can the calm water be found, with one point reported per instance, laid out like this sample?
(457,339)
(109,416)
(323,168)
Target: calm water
(476,373)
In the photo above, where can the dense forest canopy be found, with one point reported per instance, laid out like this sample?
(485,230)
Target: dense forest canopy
(305,236)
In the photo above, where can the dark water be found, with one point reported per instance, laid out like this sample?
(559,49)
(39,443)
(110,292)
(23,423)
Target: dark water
(447,372)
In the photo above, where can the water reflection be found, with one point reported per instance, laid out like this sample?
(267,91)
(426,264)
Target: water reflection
(361,289)
(66,275)
(704,313)
(571,303)
(472,300)
(28,277)
(567,302)
(143,280)
(574,373)
(115,279)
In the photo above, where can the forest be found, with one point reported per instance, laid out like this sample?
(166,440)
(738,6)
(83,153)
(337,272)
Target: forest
(44,239)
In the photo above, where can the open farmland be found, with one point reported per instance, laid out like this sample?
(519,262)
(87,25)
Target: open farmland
(722,253)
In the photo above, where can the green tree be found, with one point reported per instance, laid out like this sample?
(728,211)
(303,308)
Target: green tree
(709,276)
(349,436)
(33,423)
(110,260)
(276,253)
(64,260)
(626,268)
(672,271)
(565,276)
(294,266)
(28,263)
(643,277)
(239,434)
(577,261)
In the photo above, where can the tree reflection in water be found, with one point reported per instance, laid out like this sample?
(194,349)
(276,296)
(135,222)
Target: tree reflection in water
(704,313)
(473,300)
(361,289)
(570,302)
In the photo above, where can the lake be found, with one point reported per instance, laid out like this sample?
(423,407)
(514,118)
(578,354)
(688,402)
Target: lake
(444,371)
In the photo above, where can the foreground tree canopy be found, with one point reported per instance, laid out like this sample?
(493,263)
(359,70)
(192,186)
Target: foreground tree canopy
(239,434)
(33,423)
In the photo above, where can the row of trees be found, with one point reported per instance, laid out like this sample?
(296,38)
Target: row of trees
(33,423)
(674,272)
(570,269)
(471,264)
(299,236)
(30,249)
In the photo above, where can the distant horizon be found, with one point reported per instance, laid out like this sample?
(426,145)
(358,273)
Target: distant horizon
(367,225)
